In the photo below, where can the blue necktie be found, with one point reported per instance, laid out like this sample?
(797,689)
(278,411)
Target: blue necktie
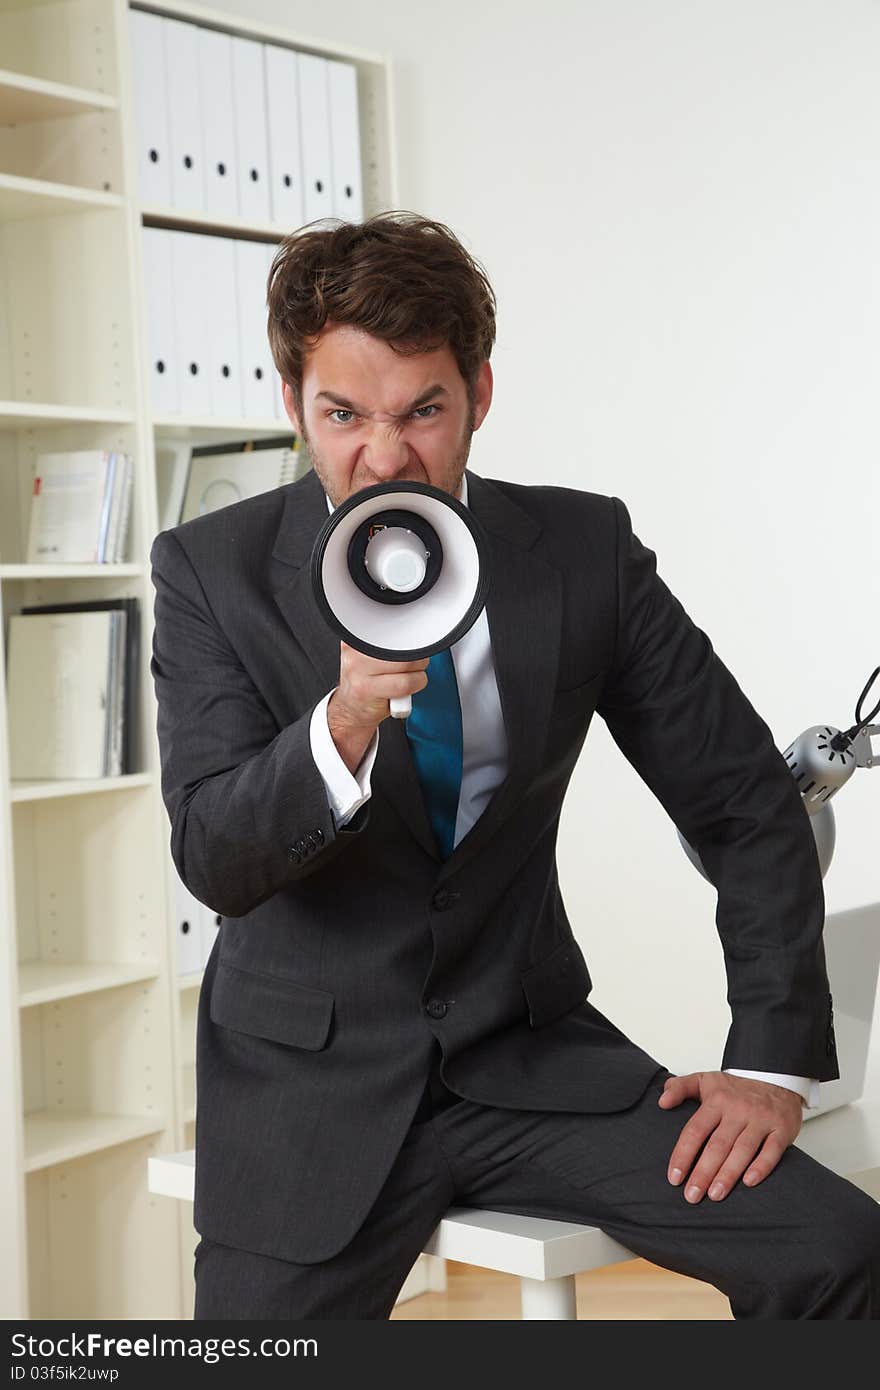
(434,732)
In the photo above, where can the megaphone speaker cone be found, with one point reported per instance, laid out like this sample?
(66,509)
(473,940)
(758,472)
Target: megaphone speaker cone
(400,570)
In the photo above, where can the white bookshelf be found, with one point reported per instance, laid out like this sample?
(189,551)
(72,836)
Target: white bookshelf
(97,1027)
(17,415)
(30,100)
(44,981)
(22,200)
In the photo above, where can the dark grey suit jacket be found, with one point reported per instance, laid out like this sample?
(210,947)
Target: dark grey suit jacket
(344,953)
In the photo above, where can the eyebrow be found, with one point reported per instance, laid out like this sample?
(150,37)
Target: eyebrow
(423,399)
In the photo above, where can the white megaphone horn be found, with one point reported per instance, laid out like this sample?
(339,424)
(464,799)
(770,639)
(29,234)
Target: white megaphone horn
(399,571)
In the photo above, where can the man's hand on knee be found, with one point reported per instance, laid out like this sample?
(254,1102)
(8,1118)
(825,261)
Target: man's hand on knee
(745,1125)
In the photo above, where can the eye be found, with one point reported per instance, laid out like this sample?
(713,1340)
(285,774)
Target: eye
(342,411)
(419,414)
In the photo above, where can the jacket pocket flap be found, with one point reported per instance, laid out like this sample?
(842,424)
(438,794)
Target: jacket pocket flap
(270,1006)
(557,984)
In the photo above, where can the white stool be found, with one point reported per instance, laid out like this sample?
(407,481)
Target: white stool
(546,1255)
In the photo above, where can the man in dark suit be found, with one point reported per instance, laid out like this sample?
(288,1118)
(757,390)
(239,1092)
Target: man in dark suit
(394,1016)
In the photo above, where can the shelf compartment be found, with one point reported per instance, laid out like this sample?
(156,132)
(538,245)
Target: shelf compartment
(22,442)
(20,415)
(83,571)
(65,137)
(99,1242)
(89,880)
(69,44)
(53,1139)
(24,99)
(96,1071)
(42,982)
(21,199)
(66,297)
(51,790)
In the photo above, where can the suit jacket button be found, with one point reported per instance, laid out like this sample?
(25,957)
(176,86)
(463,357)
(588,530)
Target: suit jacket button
(293,853)
(436,1008)
(440,900)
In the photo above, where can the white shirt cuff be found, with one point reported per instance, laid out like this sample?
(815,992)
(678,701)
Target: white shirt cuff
(806,1087)
(345,793)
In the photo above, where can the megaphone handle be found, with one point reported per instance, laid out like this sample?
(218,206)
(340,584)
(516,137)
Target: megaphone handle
(401,707)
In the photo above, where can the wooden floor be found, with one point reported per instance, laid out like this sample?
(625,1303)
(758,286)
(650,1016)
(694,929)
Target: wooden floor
(635,1289)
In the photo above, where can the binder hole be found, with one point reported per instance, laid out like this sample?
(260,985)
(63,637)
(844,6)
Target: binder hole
(225,370)
(348,190)
(287,180)
(194,368)
(154,156)
(160,366)
(319,186)
(184,927)
(221,169)
(258,373)
(254,175)
(187,159)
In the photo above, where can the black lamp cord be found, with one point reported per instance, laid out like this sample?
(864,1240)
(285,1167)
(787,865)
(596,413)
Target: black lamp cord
(842,741)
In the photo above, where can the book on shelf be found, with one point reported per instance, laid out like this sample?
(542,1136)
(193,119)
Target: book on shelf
(80,507)
(120,512)
(72,685)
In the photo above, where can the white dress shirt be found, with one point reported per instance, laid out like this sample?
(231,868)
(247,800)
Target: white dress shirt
(484,766)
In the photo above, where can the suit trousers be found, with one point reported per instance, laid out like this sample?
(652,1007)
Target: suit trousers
(803,1243)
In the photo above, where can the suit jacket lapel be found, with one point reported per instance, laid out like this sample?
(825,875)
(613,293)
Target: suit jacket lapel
(305,511)
(523,610)
(524,613)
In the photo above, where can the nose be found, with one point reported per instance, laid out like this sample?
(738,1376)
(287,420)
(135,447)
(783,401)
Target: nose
(386,453)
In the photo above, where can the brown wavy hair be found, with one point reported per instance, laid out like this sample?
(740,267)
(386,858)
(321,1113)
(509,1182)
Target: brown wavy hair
(402,277)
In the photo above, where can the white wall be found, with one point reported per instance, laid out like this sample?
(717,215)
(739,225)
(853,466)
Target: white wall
(678,204)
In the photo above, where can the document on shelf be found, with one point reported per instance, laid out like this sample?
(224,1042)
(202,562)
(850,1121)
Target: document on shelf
(80,503)
(120,510)
(125,662)
(60,694)
(218,477)
(69,506)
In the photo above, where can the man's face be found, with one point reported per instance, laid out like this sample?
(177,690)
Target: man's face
(372,415)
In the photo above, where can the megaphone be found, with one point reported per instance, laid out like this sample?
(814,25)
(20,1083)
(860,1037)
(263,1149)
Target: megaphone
(399,571)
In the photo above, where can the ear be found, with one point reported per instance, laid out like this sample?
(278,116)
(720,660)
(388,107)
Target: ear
(289,406)
(483,394)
